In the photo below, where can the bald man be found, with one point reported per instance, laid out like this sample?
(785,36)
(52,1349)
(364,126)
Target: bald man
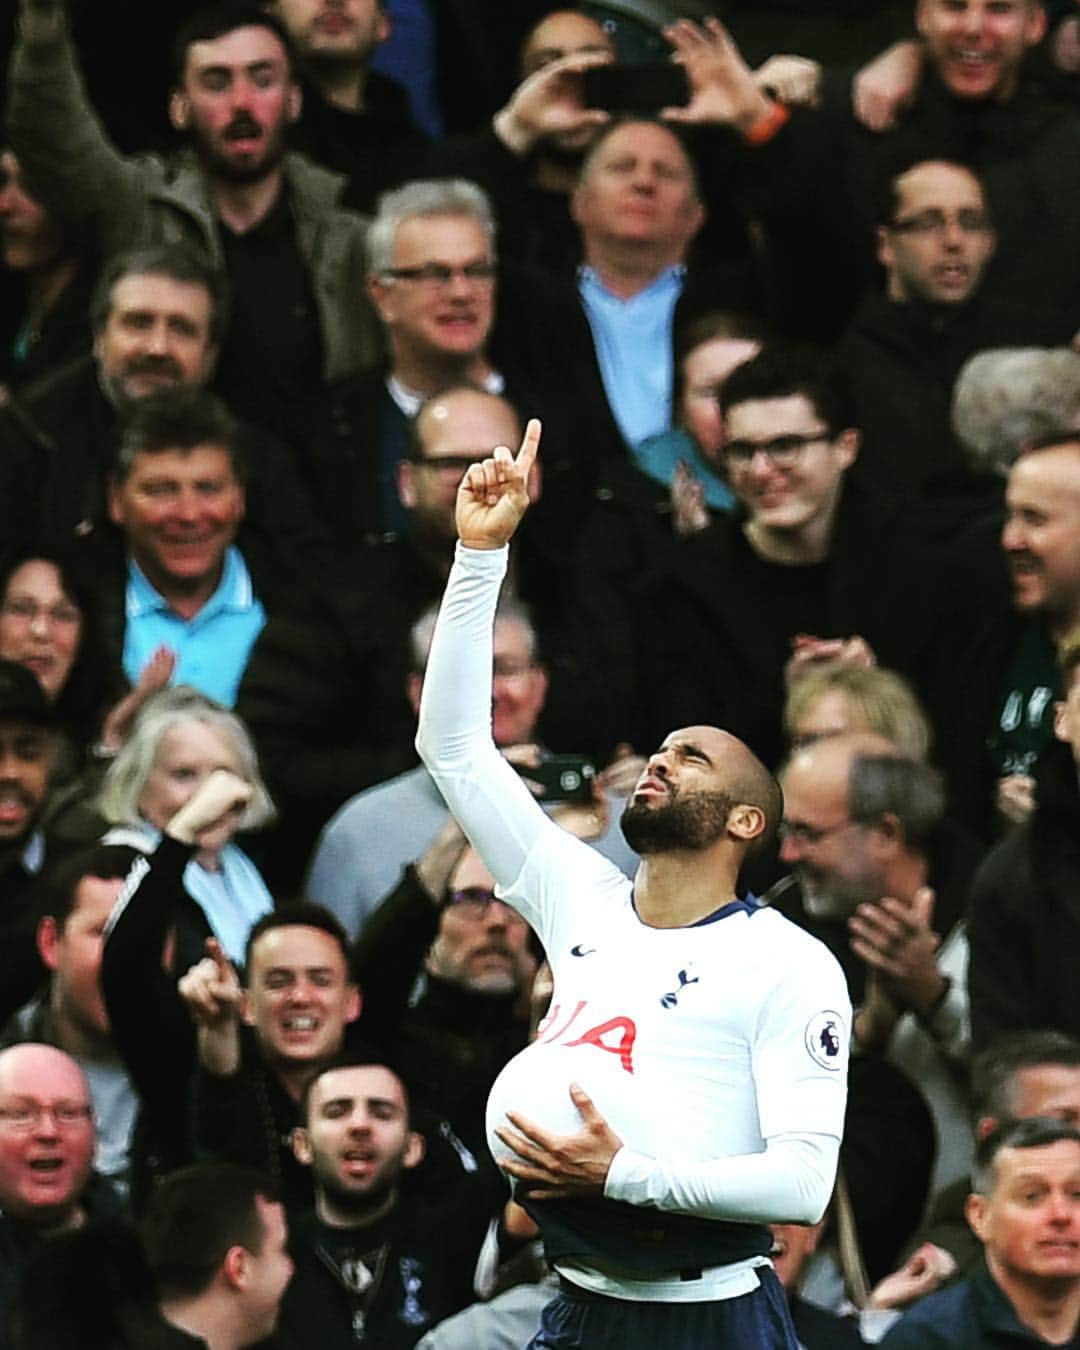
(687,1086)
(46,1152)
(879,877)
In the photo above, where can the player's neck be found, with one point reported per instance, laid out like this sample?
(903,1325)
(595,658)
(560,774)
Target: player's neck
(674,889)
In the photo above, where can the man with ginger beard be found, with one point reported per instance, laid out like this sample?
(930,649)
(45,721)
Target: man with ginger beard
(374,1262)
(272,219)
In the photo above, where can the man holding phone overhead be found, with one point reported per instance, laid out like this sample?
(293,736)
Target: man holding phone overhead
(687,1086)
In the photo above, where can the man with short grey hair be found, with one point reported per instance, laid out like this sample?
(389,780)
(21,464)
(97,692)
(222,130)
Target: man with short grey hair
(1025,1210)
(1008,398)
(432,280)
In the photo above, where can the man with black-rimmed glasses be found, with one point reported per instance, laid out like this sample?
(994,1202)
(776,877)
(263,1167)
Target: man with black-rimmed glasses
(815,568)
(906,345)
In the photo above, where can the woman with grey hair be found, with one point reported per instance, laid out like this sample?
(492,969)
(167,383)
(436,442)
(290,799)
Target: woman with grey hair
(179,739)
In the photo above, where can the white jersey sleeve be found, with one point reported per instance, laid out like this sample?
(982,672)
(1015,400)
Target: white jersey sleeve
(486,795)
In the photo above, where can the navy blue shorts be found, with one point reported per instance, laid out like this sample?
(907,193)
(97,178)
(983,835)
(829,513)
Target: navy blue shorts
(578,1320)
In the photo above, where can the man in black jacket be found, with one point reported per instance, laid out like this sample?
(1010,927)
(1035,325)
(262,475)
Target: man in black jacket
(905,348)
(376,1265)
(1025,920)
(817,568)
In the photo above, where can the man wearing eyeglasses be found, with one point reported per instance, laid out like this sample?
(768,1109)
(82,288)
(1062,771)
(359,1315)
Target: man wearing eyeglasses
(878,874)
(975,98)
(46,1152)
(477,958)
(817,568)
(906,345)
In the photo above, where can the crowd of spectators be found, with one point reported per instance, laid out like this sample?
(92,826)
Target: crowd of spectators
(796,298)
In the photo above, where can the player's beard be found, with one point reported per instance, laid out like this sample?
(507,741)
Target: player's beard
(692,822)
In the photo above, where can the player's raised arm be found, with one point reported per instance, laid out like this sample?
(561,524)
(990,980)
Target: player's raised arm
(493,805)
(494,493)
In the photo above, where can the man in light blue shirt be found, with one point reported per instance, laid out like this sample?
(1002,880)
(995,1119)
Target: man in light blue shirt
(638,207)
(177,495)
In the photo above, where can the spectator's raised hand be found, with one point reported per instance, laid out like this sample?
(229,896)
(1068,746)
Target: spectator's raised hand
(154,676)
(882,89)
(794,80)
(895,939)
(211,990)
(550,102)
(922,1273)
(723,89)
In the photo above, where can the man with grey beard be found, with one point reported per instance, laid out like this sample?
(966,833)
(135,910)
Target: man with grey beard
(879,877)
(477,960)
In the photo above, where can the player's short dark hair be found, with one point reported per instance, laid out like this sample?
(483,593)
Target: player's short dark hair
(175,261)
(212,21)
(994,1070)
(297,914)
(781,370)
(107,862)
(754,785)
(195,1216)
(1034,1132)
(183,421)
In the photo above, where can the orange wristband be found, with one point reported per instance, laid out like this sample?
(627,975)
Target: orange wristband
(765,128)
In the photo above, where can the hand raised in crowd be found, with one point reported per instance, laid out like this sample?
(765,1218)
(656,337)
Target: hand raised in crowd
(559,1165)
(440,858)
(494,494)
(622,774)
(794,80)
(1016,797)
(213,995)
(723,88)
(551,101)
(809,652)
(924,1270)
(153,677)
(689,514)
(896,940)
(221,795)
(876,1017)
(887,85)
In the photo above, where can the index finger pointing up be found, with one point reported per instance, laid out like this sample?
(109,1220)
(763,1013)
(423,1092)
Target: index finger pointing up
(530,444)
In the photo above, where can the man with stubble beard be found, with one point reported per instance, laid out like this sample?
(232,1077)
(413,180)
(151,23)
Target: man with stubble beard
(687,1086)
(379,1261)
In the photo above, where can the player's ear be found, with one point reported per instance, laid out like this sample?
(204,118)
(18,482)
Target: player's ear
(746,822)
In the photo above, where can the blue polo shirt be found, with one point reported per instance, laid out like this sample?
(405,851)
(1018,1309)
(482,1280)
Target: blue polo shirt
(212,648)
(633,348)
